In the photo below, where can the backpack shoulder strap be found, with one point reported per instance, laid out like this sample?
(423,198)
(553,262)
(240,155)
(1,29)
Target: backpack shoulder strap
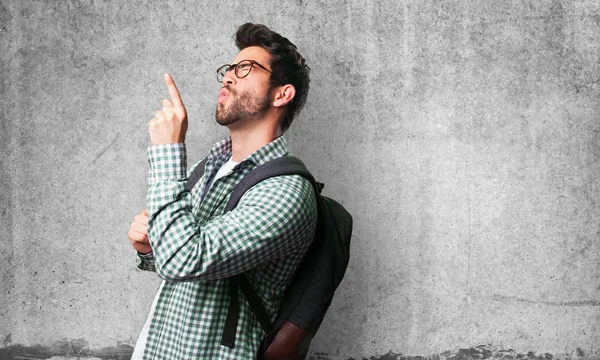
(196,175)
(285,165)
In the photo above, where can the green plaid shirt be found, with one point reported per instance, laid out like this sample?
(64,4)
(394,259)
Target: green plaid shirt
(196,248)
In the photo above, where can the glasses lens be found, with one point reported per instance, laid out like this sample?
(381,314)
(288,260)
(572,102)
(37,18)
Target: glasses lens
(221,72)
(243,68)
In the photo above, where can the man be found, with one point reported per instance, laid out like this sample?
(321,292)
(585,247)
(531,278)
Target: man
(185,237)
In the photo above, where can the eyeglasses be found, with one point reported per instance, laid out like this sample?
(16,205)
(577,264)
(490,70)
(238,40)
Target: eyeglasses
(241,69)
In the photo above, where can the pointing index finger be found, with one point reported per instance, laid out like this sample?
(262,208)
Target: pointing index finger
(173,92)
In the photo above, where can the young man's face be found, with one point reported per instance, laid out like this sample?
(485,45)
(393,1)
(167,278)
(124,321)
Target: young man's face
(245,97)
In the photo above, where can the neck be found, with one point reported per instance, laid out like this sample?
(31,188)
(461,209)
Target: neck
(247,137)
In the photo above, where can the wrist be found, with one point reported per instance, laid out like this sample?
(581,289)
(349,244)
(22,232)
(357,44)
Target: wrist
(167,162)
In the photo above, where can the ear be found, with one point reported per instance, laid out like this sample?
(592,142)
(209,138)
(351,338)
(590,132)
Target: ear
(283,95)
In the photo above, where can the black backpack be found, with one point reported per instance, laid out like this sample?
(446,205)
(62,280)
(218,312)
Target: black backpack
(310,292)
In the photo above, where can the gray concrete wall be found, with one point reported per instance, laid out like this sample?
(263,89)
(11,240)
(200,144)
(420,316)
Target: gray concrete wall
(464,136)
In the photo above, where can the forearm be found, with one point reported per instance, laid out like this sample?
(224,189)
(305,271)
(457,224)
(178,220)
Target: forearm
(229,244)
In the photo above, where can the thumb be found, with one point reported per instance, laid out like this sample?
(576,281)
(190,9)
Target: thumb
(145,212)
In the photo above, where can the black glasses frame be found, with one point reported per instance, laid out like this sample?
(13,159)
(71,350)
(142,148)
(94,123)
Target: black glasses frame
(221,71)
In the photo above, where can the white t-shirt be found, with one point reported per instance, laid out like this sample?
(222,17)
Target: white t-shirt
(140,345)
(224,170)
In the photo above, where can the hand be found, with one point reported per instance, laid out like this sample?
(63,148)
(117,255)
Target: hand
(169,125)
(138,233)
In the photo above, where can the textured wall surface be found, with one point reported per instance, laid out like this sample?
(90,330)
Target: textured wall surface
(464,136)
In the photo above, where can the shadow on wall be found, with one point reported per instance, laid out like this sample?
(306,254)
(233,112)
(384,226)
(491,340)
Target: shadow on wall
(75,348)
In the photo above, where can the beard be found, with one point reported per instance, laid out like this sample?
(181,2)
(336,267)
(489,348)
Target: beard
(242,106)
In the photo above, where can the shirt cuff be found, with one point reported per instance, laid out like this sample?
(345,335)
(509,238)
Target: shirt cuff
(146,261)
(167,162)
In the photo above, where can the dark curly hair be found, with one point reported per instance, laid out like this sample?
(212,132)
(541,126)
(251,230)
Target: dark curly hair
(287,64)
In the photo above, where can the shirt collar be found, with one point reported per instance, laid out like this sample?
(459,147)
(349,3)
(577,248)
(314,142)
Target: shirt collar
(273,150)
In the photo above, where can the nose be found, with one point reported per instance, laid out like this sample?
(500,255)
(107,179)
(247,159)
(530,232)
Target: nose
(229,78)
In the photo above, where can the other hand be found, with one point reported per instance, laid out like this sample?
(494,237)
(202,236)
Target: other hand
(138,233)
(169,124)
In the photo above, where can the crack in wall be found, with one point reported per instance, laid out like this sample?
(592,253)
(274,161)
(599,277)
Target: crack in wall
(507,299)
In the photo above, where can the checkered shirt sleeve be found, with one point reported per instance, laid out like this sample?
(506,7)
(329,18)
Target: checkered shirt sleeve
(146,261)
